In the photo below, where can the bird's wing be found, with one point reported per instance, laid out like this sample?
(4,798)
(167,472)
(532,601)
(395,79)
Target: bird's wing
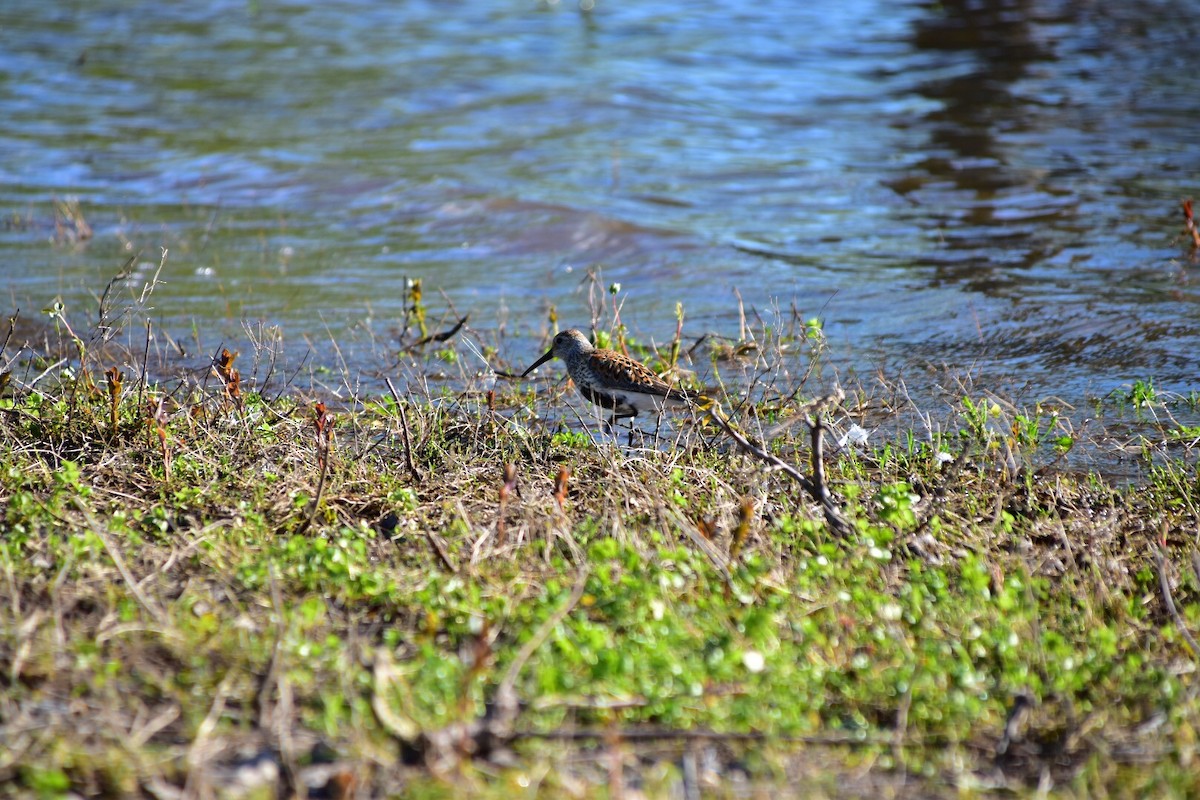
(621,372)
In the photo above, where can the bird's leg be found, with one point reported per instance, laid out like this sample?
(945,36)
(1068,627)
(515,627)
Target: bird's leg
(633,427)
(610,425)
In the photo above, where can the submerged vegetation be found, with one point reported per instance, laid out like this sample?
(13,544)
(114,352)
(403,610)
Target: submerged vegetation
(221,585)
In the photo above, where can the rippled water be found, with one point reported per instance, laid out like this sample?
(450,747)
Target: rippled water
(982,186)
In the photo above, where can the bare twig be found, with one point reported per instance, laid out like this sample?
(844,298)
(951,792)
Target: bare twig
(134,586)
(12,327)
(122,274)
(323,427)
(820,490)
(848,739)
(145,360)
(507,703)
(1165,585)
(440,551)
(194,785)
(267,684)
(408,455)
(386,677)
(438,337)
(815,486)
(1018,713)
(277,718)
(148,288)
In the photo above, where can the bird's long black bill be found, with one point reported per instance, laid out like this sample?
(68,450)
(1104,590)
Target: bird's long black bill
(549,355)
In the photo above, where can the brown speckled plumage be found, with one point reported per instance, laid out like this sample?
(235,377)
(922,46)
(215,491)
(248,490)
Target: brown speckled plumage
(613,380)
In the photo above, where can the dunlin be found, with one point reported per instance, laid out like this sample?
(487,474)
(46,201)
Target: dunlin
(613,380)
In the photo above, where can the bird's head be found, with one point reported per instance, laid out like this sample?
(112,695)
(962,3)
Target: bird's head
(566,344)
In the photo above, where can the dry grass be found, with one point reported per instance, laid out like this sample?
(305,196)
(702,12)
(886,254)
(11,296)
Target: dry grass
(221,585)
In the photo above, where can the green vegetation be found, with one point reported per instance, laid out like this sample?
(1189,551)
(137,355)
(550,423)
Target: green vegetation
(409,595)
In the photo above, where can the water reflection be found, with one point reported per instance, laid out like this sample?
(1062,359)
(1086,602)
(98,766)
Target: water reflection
(1026,198)
(993,217)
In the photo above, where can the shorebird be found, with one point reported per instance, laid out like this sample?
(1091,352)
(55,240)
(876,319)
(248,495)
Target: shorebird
(615,381)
